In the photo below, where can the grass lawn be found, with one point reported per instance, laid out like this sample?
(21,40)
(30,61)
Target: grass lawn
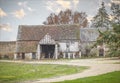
(113,77)
(17,72)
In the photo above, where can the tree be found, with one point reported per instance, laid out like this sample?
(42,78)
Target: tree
(67,17)
(101,19)
(115,13)
(112,37)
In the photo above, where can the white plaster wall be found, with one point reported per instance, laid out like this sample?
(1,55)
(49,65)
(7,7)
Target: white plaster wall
(73,47)
(15,56)
(62,47)
(28,56)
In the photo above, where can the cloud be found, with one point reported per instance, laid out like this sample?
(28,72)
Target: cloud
(58,5)
(30,9)
(19,13)
(5,27)
(58,10)
(116,1)
(75,3)
(19,3)
(63,3)
(2,13)
(50,6)
(24,5)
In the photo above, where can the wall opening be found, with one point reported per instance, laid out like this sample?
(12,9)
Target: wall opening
(48,50)
(101,52)
(23,55)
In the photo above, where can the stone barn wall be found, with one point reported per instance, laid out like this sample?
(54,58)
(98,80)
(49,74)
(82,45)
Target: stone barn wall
(7,49)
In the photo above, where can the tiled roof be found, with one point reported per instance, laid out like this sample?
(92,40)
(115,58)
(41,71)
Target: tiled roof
(57,32)
(89,34)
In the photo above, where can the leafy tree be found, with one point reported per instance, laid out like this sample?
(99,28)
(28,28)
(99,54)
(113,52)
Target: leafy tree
(112,37)
(115,13)
(67,17)
(101,20)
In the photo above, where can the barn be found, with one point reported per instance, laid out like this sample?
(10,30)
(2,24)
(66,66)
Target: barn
(47,41)
(56,41)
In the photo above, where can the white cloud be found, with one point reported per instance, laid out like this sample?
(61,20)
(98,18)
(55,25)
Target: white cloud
(30,9)
(49,3)
(19,13)
(5,27)
(58,10)
(19,3)
(64,3)
(25,6)
(50,6)
(116,1)
(2,13)
(58,5)
(75,3)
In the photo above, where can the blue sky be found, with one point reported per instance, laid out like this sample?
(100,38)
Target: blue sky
(34,12)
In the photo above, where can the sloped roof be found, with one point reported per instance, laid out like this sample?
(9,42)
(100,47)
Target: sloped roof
(89,34)
(57,32)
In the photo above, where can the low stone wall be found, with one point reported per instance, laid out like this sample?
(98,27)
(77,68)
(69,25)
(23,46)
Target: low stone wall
(7,49)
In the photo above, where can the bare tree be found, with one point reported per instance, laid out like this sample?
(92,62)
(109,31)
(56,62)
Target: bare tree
(67,17)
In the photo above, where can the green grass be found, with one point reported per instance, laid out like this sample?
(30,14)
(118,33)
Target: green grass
(113,77)
(17,72)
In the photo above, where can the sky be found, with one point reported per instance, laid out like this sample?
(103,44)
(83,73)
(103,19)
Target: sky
(34,12)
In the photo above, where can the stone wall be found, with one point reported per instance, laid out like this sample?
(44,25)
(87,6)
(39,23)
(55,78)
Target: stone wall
(7,49)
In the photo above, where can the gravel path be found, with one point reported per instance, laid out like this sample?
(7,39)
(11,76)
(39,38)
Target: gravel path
(97,67)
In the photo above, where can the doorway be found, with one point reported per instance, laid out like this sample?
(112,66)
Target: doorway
(48,50)
(23,55)
(101,52)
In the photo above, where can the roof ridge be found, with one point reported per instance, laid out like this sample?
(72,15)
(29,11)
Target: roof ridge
(54,25)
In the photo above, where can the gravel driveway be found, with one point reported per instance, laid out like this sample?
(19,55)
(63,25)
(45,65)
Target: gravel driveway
(97,66)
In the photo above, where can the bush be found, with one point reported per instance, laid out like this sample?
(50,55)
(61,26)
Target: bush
(93,52)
